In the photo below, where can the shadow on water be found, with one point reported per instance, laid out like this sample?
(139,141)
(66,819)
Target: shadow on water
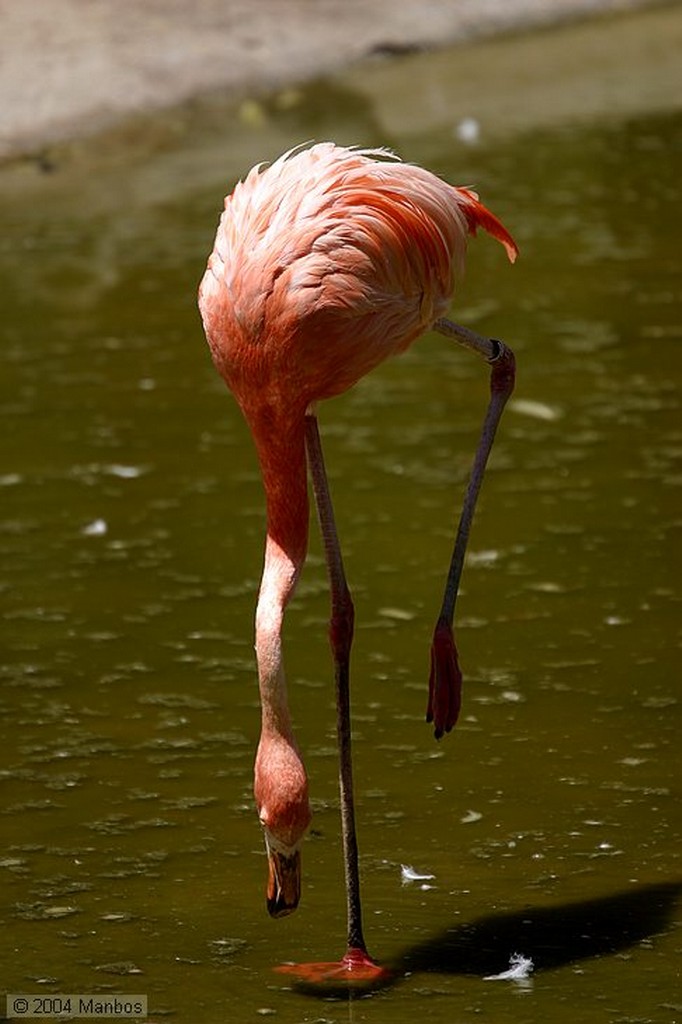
(551,937)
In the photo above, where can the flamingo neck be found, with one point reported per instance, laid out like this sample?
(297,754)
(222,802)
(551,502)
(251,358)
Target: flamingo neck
(280,783)
(278,583)
(281,453)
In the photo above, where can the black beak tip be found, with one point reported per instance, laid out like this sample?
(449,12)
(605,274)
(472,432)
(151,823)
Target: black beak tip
(280,908)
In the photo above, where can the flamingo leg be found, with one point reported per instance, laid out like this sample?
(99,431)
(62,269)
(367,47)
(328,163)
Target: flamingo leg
(341,637)
(445,682)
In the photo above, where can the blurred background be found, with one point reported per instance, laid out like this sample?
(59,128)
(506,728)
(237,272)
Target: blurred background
(131,518)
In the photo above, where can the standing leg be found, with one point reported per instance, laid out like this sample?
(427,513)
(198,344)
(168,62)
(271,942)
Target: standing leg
(445,682)
(341,637)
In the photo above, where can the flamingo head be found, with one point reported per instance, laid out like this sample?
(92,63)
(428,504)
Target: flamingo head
(281,792)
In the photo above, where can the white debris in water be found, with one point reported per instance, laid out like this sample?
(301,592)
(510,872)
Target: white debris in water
(536,410)
(547,587)
(511,697)
(401,614)
(97,528)
(520,969)
(470,817)
(468,130)
(124,472)
(486,557)
(409,875)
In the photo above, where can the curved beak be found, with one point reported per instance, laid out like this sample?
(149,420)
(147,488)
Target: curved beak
(284,882)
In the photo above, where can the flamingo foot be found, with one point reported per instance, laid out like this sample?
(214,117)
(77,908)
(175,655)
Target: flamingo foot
(445,680)
(356,969)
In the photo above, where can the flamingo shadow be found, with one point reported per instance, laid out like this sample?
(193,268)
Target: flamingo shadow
(549,936)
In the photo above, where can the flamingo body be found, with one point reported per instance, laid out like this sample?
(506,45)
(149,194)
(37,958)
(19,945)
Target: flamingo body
(325,263)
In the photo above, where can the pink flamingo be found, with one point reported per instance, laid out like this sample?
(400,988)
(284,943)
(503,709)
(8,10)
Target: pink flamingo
(325,263)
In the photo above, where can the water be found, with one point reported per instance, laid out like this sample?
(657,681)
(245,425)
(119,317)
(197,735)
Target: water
(131,534)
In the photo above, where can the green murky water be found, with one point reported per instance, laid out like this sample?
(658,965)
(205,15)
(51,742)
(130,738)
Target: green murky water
(131,536)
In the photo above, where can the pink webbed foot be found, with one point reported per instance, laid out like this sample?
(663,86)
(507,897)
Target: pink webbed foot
(356,969)
(445,681)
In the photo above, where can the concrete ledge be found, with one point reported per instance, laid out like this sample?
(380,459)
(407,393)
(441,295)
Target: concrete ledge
(71,68)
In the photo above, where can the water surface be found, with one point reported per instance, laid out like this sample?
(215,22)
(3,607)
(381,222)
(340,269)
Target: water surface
(131,528)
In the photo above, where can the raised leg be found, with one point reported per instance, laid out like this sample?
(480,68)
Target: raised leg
(445,682)
(341,637)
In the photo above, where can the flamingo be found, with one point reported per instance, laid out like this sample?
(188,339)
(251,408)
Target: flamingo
(325,263)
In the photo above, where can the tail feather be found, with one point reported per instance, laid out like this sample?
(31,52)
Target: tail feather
(479,216)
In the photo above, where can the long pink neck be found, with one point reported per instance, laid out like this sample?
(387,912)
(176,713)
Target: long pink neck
(283,466)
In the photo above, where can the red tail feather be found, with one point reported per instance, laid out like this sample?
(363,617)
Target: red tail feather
(479,216)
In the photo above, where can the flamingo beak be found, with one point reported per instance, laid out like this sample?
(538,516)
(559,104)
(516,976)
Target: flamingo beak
(284,882)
